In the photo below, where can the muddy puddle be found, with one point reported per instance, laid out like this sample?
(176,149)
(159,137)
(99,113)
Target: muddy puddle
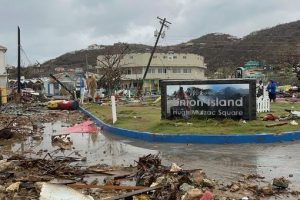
(228,162)
(225,163)
(93,148)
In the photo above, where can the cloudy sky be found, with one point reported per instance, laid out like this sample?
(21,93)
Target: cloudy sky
(53,27)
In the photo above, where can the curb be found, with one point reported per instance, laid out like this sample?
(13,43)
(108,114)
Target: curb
(193,138)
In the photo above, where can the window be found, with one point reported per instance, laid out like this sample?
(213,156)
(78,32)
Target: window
(184,57)
(151,71)
(174,57)
(128,71)
(162,71)
(165,57)
(188,70)
(138,71)
(176,70)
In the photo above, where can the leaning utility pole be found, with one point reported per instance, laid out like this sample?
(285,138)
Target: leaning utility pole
(163,24)
(19,61)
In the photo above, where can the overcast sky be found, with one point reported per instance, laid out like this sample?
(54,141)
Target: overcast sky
(53,27)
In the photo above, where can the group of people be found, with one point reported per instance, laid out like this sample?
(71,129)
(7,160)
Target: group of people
(89,85)
(271,89)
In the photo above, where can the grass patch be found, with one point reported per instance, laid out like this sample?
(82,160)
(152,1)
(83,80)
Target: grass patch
(147,118)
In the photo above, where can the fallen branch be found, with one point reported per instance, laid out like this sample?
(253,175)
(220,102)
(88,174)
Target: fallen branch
(278,124)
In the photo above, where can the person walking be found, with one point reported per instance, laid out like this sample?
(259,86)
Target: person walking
(271,88)
(91,86)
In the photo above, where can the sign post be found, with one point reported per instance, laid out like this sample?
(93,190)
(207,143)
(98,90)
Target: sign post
(113,109)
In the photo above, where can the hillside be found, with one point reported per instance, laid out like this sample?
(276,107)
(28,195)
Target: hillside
(278,46)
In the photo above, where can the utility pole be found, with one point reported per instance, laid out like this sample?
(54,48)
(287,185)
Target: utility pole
(19,61)
(86,62)
(164,23)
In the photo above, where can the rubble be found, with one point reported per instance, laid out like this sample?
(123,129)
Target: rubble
(208,183)
(281,182)
(267,190)
(13,187)
(207,196)
(59,192)
(193,194)
(175,168)
(186,187)
(234,188)
(63,175)
(5,165)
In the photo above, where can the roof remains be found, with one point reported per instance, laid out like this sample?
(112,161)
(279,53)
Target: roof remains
(3,48)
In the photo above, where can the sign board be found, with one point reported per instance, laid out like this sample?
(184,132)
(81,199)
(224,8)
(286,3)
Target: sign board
(210,98)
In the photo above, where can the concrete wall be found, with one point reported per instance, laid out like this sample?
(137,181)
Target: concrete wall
(190,73)
(3,75)
(163,66)
(2,62)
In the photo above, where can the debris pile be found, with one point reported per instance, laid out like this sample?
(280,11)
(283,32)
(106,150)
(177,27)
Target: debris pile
(47,173)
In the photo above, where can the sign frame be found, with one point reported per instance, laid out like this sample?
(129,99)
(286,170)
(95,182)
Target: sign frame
(250,110)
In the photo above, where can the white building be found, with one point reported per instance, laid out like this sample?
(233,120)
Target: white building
(176,66)
(3,74)
(95,46)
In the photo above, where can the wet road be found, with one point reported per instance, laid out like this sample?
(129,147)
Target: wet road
(227,162)
(222,162)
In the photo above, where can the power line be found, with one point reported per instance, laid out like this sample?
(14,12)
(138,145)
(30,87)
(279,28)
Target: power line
(24,53)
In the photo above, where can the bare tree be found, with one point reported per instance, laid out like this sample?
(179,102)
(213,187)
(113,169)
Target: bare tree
(111,67)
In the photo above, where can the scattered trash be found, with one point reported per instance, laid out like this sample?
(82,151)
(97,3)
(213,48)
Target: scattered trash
(281,182)
(267,190)
(63,105)
(207,196)
(234,188)
(186,187)
(13,187)
(270,117)
(84,127)
(277,124)
(208,183)
(51,191)
(5,165)
(175,168)
(192,194)
(62,175)
(6,133)
(294,123)
(62,141)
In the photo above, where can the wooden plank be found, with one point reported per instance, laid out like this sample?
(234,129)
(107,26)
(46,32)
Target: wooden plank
(107,187)
(130,194)
(278,124)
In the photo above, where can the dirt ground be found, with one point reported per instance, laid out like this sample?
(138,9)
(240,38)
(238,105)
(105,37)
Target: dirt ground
(38,151)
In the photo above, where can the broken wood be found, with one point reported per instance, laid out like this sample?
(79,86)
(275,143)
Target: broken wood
(107,187)
(130,194)
(116,174)
(278,124)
